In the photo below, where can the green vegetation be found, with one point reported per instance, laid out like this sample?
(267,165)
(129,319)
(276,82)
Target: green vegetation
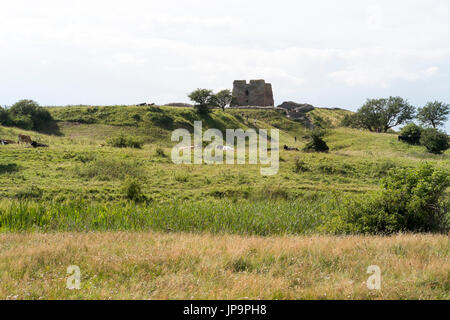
(124,141)
(411,133)
(25,114)
(133,190)
(435,141)
(411,200)
(218,231)
(317,144)
(380,115)
(434,114)
(222,98)
(216,216)
(203,99)
(328,118)
(77,185)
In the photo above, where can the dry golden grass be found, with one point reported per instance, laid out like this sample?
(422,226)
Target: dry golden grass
(187,266)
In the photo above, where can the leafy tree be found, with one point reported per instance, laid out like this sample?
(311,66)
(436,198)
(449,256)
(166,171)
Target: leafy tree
(352,121)
(380,115)
(434,114)
(203,99)
(25,111)
(411,133)
(222,99)
(434,140)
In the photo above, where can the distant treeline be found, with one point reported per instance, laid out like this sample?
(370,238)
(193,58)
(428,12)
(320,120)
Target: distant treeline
(381,115)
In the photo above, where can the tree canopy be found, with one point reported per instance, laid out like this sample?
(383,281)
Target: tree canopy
(380,115)
(26,114)
(222,98)
(434,114)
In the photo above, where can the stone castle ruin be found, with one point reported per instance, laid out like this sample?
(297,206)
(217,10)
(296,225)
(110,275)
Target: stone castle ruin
(257,93)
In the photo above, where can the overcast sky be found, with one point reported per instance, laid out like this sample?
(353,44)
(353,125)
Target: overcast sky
(325,52)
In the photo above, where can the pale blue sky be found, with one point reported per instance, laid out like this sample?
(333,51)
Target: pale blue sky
(328,53)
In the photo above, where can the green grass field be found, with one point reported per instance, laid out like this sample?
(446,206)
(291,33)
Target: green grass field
(76,187)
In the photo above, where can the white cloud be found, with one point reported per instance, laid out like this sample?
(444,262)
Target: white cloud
(429,72)
(374,17)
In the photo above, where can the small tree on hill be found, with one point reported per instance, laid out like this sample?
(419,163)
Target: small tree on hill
(203,99)
(434,114)
(222,98)
(380,115)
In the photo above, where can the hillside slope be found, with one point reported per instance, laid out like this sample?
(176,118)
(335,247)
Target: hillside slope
(75,165)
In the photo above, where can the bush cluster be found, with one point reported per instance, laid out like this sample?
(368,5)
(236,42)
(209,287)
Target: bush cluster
(434,140)
(125,141)
(25,114)
(411,199)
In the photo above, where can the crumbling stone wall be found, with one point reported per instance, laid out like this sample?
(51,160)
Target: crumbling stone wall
(256,93)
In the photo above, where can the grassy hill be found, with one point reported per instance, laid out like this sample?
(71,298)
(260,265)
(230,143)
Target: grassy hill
(196,213)
(75,165)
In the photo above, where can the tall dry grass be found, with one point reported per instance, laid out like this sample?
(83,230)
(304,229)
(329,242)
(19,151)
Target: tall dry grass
(123,265)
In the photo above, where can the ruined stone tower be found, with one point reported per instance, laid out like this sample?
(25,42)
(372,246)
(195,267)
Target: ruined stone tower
(256,93)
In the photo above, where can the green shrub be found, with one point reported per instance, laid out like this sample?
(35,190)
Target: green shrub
(412,199)
(133,191)
(124,141)
(434,140)
(27,112)
(317,144)
(411,133)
